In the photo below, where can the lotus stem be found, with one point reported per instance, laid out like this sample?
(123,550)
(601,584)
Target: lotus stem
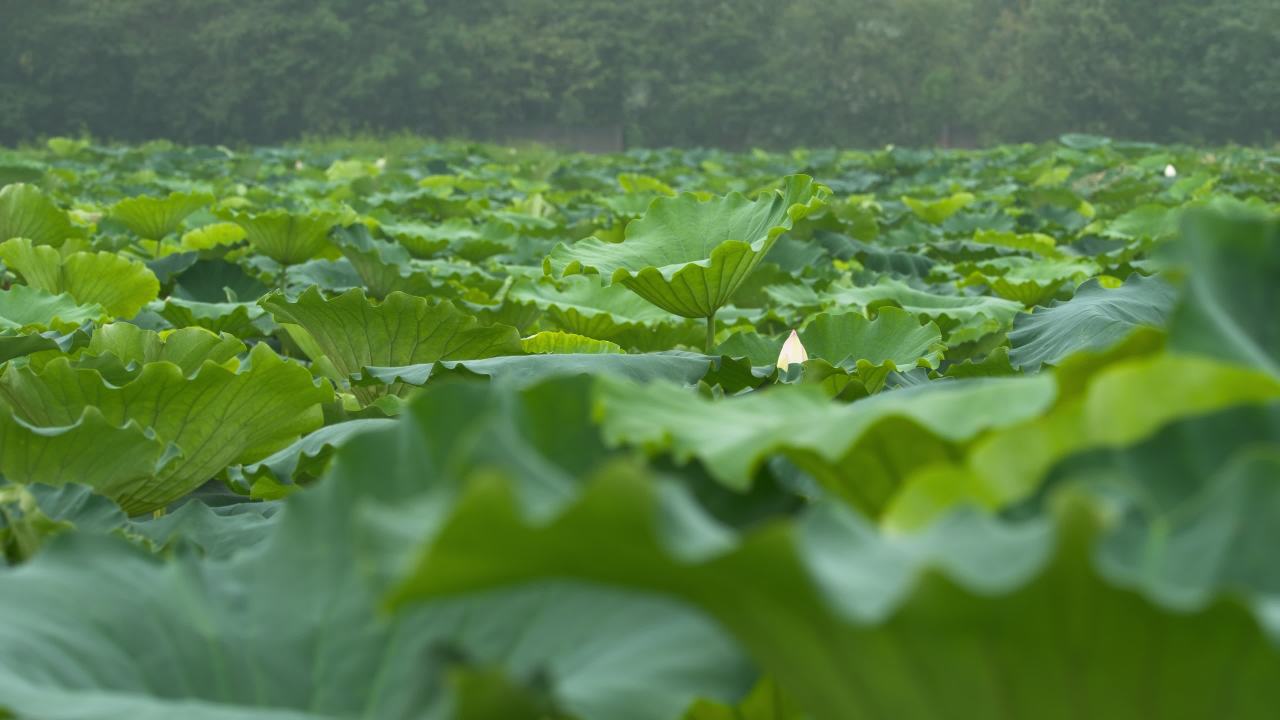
(711,331)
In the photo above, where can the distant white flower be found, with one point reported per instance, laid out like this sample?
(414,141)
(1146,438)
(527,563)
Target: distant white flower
(1170,171)
(297,165)
(792,352)
(381,164)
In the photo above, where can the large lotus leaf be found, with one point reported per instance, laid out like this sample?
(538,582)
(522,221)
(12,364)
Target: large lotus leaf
(1144,222)
(1037,243)
(554,342)
(766,702)
(1120,405)
(973,618)
(305,612)
(40,512)
(120,350)
(386,267)
(1095,319)
(214,531)
(317,632)
(14,345)
(423,240)
(947,310)
(26,212)
(351,332)
(217,281)
(1026,280)
(756,348)
(213,418)
(1196,504)
(686,256)
(154,218)
(863,450)
(583,306)
(286,237)
(1232,298)
(241,319)
(20,172)
(673,366)
(936,211)
(112,457)
(32,514)
(894,340)
(24,308)
(208,237)
(119,284)
(284,465)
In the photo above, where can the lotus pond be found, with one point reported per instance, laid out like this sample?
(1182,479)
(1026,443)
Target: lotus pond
(438,430)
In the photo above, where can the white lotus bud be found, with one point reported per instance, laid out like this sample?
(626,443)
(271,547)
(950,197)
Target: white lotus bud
(1170,171)
(792,352)
(297,165)
(381,164)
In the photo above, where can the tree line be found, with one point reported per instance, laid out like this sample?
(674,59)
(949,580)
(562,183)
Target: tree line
(730,73)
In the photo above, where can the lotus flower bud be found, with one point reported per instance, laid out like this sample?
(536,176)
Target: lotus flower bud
(792,352)
(380,163)
(298,165)
(1170,171)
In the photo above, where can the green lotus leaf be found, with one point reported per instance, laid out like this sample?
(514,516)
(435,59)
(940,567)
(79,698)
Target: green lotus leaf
(598,653)
(1026,280)
(42,512)
(26,212)
(1037,243)
(1144,222)
(212,419)
(862,451)
(14,345)
(119,284)
(974,608)
(120,350)
(758,349)
(1196,504)
(30,515)
(687,257)
(1095,319)
(1232,298)
(386,267)
(24,309)
(214,531)
(241,319)
(350,332)
(22,172)
(154,218)
(286,237)
(114,458)
(581,305)
(226,623)
(894,340)
(949,311)
(284,465)
(674,366)
(849,345)
(422,240)
(208,237)
(935,212)
(217,281)
(553,342)
(766,702)
(1121,404)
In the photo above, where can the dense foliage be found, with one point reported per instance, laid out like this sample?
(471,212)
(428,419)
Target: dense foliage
(464,431)
(777,73)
